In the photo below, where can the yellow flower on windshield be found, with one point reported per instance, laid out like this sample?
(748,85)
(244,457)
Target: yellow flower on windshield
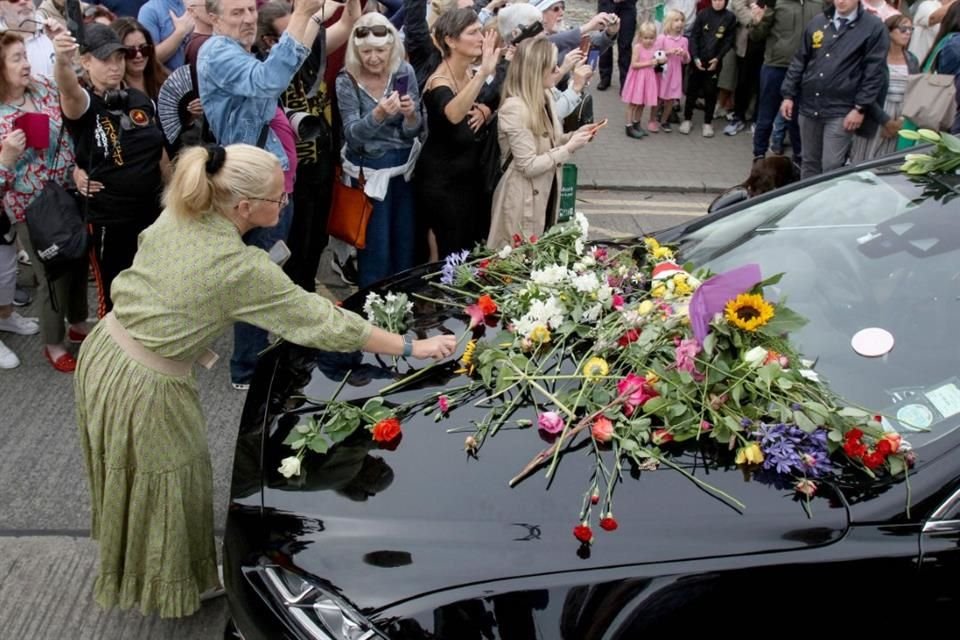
(595,368)
(750,454)
(748,311)
(540,334)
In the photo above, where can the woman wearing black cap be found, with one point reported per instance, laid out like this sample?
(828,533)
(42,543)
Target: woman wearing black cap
(119,149)
(140,423)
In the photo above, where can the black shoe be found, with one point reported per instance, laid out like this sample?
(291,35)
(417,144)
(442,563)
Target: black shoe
(21,297)
(346,270)
(604,84)
(634,133)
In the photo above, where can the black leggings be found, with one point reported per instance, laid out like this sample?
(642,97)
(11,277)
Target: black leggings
(701,84)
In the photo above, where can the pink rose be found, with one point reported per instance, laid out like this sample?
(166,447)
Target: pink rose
(638,391)
(617,301)
(551,422)
(602,429)
(685,353)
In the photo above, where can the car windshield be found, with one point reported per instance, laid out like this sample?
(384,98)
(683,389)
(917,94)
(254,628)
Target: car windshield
(863,250)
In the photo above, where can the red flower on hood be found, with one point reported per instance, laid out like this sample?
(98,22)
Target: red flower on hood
(609,523)
(583,533)
(632,335)
(386,431)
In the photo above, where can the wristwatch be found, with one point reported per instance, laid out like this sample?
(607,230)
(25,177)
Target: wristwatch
(859,108)
(407,347)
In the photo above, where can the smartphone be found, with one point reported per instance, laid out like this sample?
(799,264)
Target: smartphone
(585,45)
(593,58)
(279,253)
(74,16)
(528,31)
(599,125)
(401,84)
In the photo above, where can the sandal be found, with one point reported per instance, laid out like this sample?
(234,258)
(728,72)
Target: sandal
(75,336)
(66,363)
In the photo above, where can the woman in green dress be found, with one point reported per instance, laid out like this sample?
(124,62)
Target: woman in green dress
(141,426)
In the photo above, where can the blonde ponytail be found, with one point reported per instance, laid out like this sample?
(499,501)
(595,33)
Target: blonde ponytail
(212,179)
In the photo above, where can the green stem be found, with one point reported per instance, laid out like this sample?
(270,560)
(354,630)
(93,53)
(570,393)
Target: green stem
(420,372)
(700,483)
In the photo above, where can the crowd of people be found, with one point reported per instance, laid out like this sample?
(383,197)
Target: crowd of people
(200,135)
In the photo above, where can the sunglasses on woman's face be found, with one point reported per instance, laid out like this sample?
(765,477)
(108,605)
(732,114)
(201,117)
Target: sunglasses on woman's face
(145,50)
(378,31)
(905,29)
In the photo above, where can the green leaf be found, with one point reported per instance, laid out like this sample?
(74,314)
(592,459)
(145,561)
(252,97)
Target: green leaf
(732,424)
(897,465)
(629,445)
(817,408)
(709,343)
(736,392)
(772,280)
(802,421)
(834,436)
(853,412)
(319,445)
(784,321)
(784,383)
(298,443)
(677,409)
(951,142)
(653,405)
(601,395)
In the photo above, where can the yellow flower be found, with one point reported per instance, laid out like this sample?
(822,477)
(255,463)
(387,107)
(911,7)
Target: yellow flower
(681,286)
(652,244)
(662,253)
(467,358)
(595,368)
(658,291)
(748,311)
(540,334)
(645,307)
(652,378)
(749,454)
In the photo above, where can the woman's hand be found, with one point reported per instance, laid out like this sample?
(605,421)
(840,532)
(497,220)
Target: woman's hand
(477,116)
(581,76)
(86,186)
(195,108)
(388,106)
(437,347)
(580,137)
(892,128)
(12,149)
(65,46)
(53,28)
(490,56)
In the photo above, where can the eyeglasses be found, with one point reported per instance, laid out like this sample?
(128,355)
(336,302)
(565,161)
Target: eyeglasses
(284,199)
(378,31)
(905,29)
(145,50)
(557,7)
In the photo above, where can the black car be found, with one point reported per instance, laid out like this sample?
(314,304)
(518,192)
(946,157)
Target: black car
(427,542)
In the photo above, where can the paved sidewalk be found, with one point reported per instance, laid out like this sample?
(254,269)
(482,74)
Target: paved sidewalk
(661,161)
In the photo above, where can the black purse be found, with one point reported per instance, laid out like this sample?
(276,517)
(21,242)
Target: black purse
(56,225)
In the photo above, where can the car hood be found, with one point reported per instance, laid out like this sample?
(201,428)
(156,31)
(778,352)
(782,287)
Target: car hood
(385,526)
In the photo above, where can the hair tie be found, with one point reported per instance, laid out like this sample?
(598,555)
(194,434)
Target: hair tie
(216,156)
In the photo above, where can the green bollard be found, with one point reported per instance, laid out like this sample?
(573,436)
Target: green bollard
(568,193)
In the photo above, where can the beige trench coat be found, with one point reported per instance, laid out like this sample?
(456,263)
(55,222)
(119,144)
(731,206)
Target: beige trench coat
(520,199)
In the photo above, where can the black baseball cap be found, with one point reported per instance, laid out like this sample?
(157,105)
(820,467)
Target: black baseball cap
(100,41)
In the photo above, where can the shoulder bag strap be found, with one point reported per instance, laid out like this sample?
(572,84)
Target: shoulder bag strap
(932,59)
(356,87)
(262,138)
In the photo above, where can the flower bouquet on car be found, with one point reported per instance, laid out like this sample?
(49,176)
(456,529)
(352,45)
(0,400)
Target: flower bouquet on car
(644,359)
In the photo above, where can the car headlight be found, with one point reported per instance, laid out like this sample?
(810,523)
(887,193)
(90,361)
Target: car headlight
(317,612)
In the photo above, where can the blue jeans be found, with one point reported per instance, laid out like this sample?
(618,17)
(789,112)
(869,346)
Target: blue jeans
(768,106)
(249,340)
(779,132)
(390,232)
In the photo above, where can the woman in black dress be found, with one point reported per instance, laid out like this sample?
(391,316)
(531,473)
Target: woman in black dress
(452,190)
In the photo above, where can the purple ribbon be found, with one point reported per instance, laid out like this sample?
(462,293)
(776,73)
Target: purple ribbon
(712,296)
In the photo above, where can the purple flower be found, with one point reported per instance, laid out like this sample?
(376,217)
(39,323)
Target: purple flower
(789,450)
(551,422)
(685,353)
(745,422)
(450,264)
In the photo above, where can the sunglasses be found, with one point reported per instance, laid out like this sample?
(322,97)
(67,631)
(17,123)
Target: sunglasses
(905,29)
(145,50)
(378,31)
(557,7)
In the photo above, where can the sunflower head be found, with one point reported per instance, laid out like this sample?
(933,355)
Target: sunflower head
(595,368)
(748,311)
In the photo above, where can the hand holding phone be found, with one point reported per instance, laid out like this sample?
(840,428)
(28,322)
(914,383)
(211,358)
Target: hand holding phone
(585,45)
(593,58)
(402,84)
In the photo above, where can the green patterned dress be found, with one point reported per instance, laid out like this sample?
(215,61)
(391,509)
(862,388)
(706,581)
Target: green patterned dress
(143,433)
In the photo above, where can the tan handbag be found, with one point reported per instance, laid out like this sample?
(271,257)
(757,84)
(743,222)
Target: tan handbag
(350,211)
(930,100)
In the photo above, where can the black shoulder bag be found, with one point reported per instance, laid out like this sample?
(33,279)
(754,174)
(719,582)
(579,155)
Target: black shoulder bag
(56,225)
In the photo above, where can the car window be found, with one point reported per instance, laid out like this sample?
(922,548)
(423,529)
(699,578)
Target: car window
(862,250)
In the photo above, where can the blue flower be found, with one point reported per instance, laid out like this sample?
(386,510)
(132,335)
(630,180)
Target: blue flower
(789,450)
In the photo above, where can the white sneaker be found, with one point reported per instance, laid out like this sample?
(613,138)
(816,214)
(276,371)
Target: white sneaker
(23,257)
(685,127)
(708,131)
(8,359)
(16,323)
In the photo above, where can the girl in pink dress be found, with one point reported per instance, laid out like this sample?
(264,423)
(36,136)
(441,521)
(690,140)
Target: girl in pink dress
(674,44)
(640,90)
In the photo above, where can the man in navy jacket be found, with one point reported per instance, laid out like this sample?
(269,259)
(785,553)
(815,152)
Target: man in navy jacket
(836,74)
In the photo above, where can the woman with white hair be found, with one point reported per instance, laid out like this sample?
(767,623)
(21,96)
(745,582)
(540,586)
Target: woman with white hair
(532,145)
(380,108)
(140,422)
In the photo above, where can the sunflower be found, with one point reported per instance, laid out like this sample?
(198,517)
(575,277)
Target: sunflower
(748,311)
(595,368)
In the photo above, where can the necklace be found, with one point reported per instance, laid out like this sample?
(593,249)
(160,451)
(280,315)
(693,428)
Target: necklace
(23,101)
(453,79)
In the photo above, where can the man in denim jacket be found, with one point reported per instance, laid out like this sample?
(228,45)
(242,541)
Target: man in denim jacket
(240,95)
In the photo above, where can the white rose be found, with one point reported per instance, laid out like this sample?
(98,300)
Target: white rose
(506,251)
(755,356)
(290,467)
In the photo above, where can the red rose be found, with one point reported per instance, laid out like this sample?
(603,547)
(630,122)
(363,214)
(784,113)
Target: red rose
(533,239)
(632,335)
(662,436)
(386,431)
(884,447)
(595,498)
(483,264)
(583,533)
(517,240)
(854,448)
(608,524)
(853,434)
(873,459)
(487,305)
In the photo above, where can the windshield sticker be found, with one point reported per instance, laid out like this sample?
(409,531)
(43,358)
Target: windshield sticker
(945,399)
(872,342)
(915,416)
